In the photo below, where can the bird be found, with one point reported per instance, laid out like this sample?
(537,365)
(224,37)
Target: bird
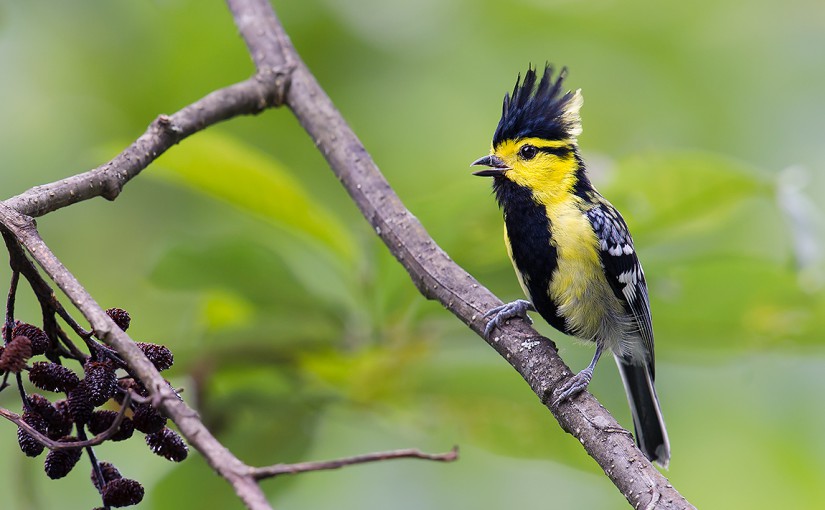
(571,249)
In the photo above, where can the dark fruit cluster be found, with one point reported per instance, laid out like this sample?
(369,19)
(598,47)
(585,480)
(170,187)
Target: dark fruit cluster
(116,490)
(15,355)
(104,381)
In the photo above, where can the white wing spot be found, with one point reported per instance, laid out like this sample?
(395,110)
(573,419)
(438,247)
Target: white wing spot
(629,278)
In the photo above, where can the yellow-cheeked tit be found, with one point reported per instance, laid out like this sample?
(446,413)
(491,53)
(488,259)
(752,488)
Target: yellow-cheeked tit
(571,248)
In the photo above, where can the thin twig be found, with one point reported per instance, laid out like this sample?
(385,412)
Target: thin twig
(5,384)
(15,279)
(245,98)
(43,291)
(69,445)
(49,304)
(9,321)
(64,338)
(21,389)
(261,473)
(97,473)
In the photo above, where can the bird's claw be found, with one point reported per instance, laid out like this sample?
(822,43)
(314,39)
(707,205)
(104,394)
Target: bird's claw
(573,386)
(505,312)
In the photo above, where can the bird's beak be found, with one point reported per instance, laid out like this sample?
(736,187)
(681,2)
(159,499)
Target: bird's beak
(496,165)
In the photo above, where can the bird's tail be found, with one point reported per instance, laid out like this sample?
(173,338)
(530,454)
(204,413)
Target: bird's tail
(651,435)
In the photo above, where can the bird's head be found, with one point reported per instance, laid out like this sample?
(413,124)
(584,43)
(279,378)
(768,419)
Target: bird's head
(535,142)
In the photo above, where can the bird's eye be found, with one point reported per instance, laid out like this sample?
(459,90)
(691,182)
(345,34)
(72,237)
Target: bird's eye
(528,152)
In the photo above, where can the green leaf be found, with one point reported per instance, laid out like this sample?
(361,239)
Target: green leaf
(224,168)
(690,191)
(731,303)
(254,273)
(489,405)
(716,252)
(371,375)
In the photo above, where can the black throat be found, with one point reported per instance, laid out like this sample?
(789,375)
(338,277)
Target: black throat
(529,232)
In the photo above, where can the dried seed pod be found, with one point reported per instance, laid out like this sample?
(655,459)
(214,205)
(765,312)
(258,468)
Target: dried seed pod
(52,377)
(159,355)
(28,444)
(168,444)
(16,354)
(147,419)
(102,420)
(39,340)
(60,462)
(122,492)
(80,403)
(61,421)
(109,472)
(125,431)
(101,381)
(120,316)
(40,405)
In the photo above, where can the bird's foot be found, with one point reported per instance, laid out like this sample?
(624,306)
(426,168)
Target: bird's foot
(503,313)
(573,386)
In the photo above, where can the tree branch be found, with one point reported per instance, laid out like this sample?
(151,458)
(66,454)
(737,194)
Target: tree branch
(70,445)
(245,98)
(304,467)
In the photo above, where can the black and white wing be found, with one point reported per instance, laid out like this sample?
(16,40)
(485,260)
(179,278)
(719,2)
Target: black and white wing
(621,266)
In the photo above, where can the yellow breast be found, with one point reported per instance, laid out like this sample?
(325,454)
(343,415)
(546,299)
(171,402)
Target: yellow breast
(578,286)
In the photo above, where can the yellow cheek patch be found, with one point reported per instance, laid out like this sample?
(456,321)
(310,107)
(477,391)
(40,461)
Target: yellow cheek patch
(548,175)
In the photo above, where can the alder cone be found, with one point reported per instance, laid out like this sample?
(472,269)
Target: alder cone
(16,354)
(37,337)
(61,421)
(122,492)
(147,419)
(101,380)
(40,405)
(159,355)
(60,462)
(50,376)
(103,419)
(168,444)
(28,444)
(120,317)
(109,472)
(80,403)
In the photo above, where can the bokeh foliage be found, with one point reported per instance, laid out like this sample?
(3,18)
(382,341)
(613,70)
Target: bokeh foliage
(299,337)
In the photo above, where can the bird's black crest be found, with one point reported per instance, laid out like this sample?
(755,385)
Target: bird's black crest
(542,111)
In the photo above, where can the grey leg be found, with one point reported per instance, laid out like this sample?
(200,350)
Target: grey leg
(578,382)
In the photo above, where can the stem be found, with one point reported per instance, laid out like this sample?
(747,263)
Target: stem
(304,467)
(98,474)
(15,279)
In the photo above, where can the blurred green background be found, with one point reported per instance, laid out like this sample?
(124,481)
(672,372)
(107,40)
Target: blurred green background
(299,337)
